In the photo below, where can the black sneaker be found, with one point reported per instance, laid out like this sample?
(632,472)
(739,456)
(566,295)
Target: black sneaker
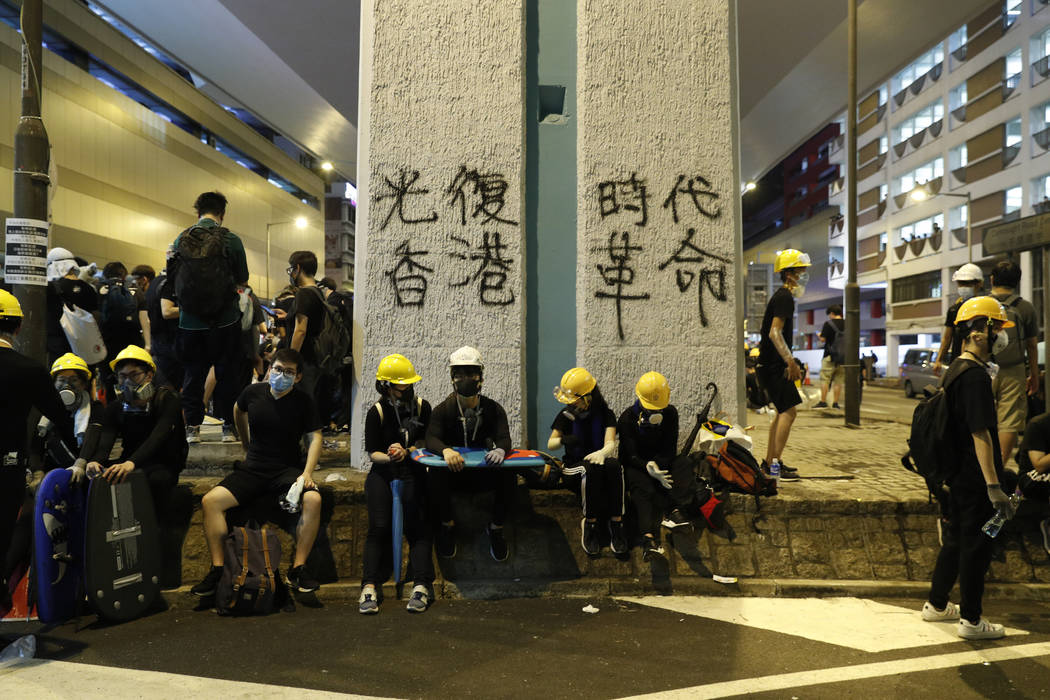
(651,548)
(674,519)
(589,537)
(301,581)
(497,543)
(617,537)
(445,541)
(207,586)
(788,473)
(835,405)
(820,404)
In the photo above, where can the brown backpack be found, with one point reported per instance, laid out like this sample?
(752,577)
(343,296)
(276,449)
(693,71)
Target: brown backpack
(250,575)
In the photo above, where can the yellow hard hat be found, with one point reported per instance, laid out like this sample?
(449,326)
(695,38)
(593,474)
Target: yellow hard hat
(9,306)
(397,369)
(574,384)
(133,352)
(983,306)
(653,391)
(790,258)
(754,352)
(70,361)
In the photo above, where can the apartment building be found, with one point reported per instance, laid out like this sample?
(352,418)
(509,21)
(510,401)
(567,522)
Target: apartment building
(966,124)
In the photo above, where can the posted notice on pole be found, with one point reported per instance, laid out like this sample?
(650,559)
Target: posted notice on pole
(25,260)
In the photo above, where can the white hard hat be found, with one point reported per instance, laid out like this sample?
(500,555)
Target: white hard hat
(56,254)
(59,264)
(466,356)
(968,273)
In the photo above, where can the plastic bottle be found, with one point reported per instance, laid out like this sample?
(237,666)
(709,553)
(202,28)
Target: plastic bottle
(996,522)
(774,471)
(18,650)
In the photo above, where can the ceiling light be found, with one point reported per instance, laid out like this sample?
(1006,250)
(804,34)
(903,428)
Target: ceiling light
(327,166)
(300,222)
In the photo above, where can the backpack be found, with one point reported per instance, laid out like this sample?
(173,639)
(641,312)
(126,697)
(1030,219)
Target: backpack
(204,282)
(117,305)
(1014,352)
(736,467)
(934,452)
(250,574)
(837,348)
(332,345)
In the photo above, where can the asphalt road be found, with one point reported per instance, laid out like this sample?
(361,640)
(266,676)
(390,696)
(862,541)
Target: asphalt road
(550,648)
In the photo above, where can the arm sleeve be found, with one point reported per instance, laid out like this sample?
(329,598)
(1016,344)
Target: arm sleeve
(502,436)
(435,433)
(1031,329)
(374,432)
(311,419)
(424,416)
(93,432)
(167,415)
(669,448)
(949,319)
(979,402)
(238,260)
(628,442)
(784,308)
(51,406)
(106,428)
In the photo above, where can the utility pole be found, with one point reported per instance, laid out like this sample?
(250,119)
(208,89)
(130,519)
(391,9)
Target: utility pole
(30,179)
(852,291)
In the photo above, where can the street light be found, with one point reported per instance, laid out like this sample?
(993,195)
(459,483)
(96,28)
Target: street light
(921,192)
(750,185)
(300,223)
(327,166)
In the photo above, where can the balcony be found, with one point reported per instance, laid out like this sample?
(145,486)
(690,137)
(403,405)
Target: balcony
(836,227)
(983,38)
(919,247)
(933,186)
(1040,68)
(916,86)
(916,139)
(1042,138)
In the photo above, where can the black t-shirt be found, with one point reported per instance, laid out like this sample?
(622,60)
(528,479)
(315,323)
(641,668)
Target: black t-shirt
(277,426)
(486,426)
(1036,437)
(156,436)
(832,327)
(381,433)
(74,293)
(27,384)
(589,430)
(162,331)
(657,444)
(949,321)
(781,305)
(972,407)
(309,303)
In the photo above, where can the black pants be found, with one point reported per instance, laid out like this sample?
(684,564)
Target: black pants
(441,482)
(602,489)
(12,496)
(652,500)
(168,363)
(379,562)
(965,553)
(199,352)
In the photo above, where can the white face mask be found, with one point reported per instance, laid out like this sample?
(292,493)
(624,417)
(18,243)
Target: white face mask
(966,292)
(798,290)
(1000,342)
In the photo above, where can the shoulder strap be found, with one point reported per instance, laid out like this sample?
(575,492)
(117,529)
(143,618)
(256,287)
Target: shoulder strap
(244,561)
(1011,300)
(266,557)
(950,376)
(379,410)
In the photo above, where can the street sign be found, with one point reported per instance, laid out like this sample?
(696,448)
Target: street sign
(1018,235)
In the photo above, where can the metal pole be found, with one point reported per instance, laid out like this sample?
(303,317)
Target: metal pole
(30,177)
(969,231)
(852,291)
(268,262)
(1046,317)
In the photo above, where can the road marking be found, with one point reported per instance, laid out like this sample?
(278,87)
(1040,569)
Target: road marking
(848,622)
(840,674)
(43,679)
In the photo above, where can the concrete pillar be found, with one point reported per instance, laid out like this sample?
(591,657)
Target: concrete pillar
(439,258)
(658,199)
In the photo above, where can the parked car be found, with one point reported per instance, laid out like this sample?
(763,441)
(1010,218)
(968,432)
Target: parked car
(917,370)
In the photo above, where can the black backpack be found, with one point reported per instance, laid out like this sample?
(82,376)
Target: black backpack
(332,345)
(934,450)
(204,282)
(837,348)
(251,581)
(117,305)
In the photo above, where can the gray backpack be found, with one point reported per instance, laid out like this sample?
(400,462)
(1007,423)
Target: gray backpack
(1014,352)
(250,574)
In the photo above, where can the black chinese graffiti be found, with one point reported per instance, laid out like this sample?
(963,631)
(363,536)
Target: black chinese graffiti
(615,196)
(491,271)
(486,193)
(399,191)
(619,275)
(709,274)
(699,192)
(407,276)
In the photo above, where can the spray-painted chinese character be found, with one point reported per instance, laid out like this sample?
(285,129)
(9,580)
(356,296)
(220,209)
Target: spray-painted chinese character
(492,270)
(631,194)
(399,191)
(410,284)
(711,276)
(699,191)
(619,275)
(487,192)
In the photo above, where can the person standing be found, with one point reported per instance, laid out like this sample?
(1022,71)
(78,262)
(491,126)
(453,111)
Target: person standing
(64,288)
(831,371)
(975,493)
(968,279)
(305,322)
(163,310)
(207,265)
(1013,383)
(777,370)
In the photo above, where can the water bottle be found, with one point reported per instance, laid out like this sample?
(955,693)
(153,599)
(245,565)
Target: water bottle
(996,522)
(774,472)
(18,650)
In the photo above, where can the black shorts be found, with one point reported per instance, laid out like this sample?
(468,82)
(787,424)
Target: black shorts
(782,392)
(248,484)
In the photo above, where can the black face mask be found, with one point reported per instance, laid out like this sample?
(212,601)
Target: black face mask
(404,404)
(467,386)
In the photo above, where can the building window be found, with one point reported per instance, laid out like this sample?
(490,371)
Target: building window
(884,144)
(1014,200)
(1041,188)
(957,217)
(918,68)
(918,121)
(957,38)
(1013,68)
(884,191)
(922,174)
(1013,132)
(926,285)
(920,229)
(957,96)
(1041,46)
(957,156)
(882,242)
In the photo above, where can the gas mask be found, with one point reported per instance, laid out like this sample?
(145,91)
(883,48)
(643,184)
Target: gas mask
(649,420)
(800,285)
(467,386)
(999,343)
(404,403)
(70,395)
(130,391)
(583,409)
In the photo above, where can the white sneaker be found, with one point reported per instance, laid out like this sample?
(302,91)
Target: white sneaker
(367,604)
(419,601)
(982,630)
(932,614)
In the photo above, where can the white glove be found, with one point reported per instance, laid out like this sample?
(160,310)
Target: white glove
(596,457)
(494,457)
(291,500)
(77,470)
(661,475)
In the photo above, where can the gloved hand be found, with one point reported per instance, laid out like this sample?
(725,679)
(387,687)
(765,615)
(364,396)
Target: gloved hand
(77,470)
(661,475)
(494,457)
(1000,500)
(596,457)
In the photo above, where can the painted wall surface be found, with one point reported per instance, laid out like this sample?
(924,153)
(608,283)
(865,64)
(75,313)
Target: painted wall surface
(658,204)
(550,208)
(127,179)
(440,244)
